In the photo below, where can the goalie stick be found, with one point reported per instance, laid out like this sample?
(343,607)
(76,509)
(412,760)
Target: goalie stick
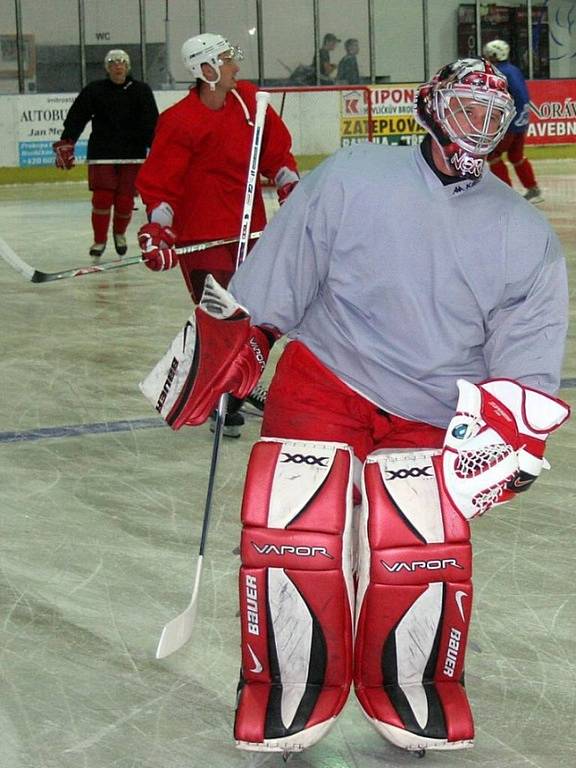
(37,276)
(178,631)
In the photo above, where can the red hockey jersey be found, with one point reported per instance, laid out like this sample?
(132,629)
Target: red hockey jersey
(199,159)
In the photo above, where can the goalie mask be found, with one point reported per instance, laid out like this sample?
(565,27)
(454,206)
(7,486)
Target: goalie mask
(208,49)
(467,108)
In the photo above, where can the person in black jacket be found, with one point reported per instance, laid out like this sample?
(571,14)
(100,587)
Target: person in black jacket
(348,72)
(123,114)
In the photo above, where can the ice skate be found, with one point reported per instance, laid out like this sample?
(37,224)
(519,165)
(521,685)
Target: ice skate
(120,244)
(97,249)
(534,195)
(232,424)
(257,398)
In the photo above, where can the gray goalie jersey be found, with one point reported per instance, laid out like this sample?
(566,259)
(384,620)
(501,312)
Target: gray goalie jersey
(401,285)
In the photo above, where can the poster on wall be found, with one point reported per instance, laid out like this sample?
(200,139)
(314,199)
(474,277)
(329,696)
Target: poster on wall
(552,112)
(40,120)
(383,115)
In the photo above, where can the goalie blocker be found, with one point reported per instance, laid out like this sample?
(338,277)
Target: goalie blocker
(217,351)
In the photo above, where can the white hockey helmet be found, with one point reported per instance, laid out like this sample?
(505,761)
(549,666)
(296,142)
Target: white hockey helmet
(207,48)
(115,55)
(497,50)
(442,106)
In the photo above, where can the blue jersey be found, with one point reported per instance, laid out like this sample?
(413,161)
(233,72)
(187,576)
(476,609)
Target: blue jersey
(401,285)
(519,92)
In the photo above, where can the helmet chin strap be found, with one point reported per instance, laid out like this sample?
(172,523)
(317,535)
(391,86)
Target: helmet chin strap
(212,83)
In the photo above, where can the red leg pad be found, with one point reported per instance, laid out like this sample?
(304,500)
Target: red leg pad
(295,594)
(414,604)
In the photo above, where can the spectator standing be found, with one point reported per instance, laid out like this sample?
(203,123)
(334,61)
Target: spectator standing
(348,72)
(123,113)
(512,145)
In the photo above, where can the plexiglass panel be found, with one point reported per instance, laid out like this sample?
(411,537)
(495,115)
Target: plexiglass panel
(52,53)
(8,52)
(398,31)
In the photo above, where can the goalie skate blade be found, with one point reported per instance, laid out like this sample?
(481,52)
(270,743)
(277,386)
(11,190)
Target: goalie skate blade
(414,744)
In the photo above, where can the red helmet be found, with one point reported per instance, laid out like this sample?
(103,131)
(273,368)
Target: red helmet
(443,108)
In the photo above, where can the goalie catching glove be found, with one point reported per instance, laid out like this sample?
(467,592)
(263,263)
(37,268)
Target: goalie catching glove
(217,351)
(494,445)
(156,243)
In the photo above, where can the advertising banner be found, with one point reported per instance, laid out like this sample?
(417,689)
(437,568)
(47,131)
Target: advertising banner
(383,115)
(552,112)
(39,123)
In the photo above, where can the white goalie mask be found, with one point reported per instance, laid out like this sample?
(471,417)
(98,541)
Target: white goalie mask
(117,55)
(448,108)
(208,49)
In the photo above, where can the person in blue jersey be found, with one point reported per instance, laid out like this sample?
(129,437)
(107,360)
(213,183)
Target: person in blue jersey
(512,145)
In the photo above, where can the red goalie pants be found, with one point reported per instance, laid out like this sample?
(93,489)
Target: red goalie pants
(307,401)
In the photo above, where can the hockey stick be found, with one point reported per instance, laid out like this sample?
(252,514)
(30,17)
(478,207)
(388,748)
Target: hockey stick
(37,276)
(178,631)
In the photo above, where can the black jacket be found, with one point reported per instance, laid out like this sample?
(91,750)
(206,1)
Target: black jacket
(123,119)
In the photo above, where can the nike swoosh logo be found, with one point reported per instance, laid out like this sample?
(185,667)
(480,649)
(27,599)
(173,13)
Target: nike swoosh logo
(257,665)
(459,596)
(521,483)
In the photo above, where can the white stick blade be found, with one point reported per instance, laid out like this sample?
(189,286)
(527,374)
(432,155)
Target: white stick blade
(177,632)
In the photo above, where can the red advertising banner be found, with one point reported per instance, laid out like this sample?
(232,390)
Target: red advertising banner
(552,112)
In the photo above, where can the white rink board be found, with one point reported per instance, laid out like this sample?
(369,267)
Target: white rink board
(36,120)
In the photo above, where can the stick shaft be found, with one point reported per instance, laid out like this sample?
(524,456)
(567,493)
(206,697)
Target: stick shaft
(262,99)
(176,633)
(37,276)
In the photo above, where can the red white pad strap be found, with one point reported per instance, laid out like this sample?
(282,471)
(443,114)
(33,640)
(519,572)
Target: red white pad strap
(295,594)
(499,429)
(184,385)
(414,601)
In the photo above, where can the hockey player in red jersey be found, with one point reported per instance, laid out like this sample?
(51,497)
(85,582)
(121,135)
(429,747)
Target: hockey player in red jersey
(194,180)
(426,306)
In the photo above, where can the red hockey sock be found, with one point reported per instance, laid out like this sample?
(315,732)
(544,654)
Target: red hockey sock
(101,205)
(498,168)
(123,205)
(525,173)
